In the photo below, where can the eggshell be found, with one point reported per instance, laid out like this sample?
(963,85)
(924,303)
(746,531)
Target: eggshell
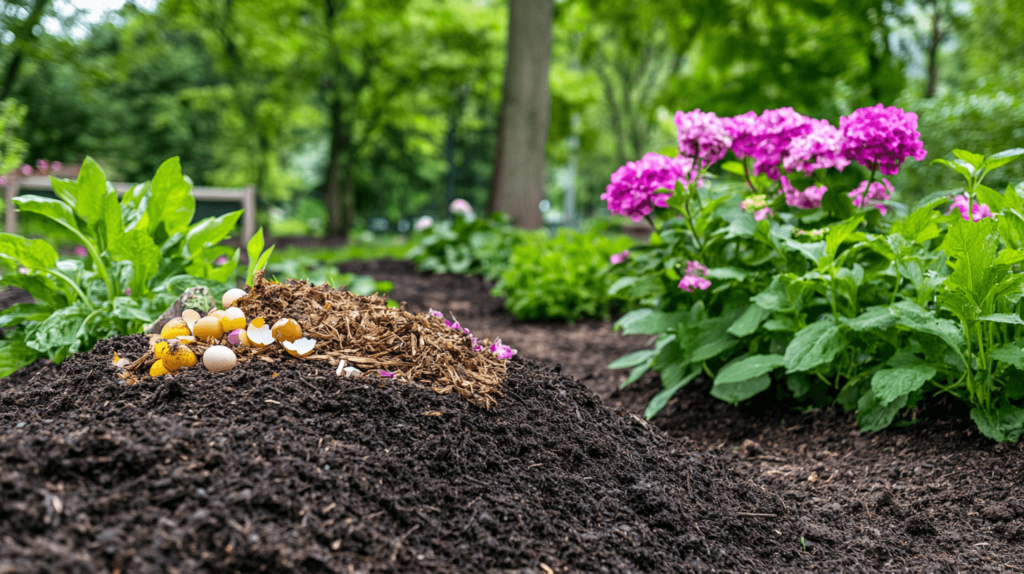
(235,337)
(286,330)
(208,328)
(258,322)
(219,358)
(300,347)
(176,327)
(179,356)
(232,319)
(231,296)
(161,348)
(190,316)
(259,337)
(215,313)
(158,369)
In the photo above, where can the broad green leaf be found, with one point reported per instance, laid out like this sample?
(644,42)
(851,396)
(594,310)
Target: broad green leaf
(1009,257)
(712,348)
(21,312)
(958,165)
(633,359)
(41,288)
(1003,318)
(90,190)
(129,309)
(661,399)
(58,331)
(813,251)
(1009,353)
(974,159)
(32,253)
(170,199)
(890,384)
(873,416)
(65,190)
(646,322)
(873,318)
(739,391)
(960,302)
(749,368)
(619,285)
(774,297)
(839,233)
(912,316)
(838,203)
(727,273)
(1002,158)
(262,263)
(741,227)
(253,250)
(14,354)
(749,321)
(139,248)
(54,209)
(920,226)
(814,345)
(113,222)
(634,375)
(971,247)
(209,232)
(1004,424)
(990,197)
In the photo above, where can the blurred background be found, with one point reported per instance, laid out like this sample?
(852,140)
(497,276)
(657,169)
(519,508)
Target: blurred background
(354,117)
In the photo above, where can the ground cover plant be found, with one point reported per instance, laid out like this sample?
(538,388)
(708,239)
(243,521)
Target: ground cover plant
(826,294)
(140,254)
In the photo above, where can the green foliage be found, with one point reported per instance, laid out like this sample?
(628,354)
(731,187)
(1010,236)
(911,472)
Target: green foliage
(873,313)
(143,251)
(12,148)
(467,245)
(564,277)
(306,268)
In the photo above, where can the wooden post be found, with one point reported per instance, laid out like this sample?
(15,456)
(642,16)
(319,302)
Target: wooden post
(249,217)
(11,215)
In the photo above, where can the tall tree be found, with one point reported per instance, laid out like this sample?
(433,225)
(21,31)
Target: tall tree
(525,114)
(23,32)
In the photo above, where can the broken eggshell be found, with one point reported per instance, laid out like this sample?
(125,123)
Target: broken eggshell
(300,347)
(232,295)
(259,337)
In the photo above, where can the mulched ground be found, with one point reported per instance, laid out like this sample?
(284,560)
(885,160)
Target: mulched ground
(311,473)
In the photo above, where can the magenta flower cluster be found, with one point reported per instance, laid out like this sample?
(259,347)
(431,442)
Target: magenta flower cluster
(809,198)
(695,278)
(961,204)
(863,196)
(881,138)
(634,187)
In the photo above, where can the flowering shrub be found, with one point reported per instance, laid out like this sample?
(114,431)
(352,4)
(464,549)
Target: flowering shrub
(831,295)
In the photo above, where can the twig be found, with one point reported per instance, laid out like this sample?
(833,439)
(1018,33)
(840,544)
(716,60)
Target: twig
(756,515)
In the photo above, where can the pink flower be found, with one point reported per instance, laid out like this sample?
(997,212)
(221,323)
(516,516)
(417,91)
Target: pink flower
(809,198)
(633,190)
(3,181)
(424,223)
(436,314)
(961,204)
(767,138)
(880,190)
(42,165)
(696,268)
(26,170)
(220,260)
(81,251)
(55,166)
(690,283)
(24,270)
(763,213)
(503,352)
(703,135)
(128,291)
(619,257)
(881,138)
(821,148)
(386,374)
(460,207)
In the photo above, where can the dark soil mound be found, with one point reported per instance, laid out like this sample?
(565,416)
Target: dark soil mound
(288,468)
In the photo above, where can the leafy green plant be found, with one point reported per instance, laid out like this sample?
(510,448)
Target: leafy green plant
(564,277)
(467,245)
(143,252)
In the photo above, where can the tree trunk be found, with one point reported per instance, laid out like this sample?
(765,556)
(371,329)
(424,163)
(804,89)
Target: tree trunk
(24,35)
(525,114)
(339,206)
(933,53)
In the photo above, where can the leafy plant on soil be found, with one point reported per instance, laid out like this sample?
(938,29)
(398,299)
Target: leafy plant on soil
(466,245)
(143,251)
(564,277)
(833,296)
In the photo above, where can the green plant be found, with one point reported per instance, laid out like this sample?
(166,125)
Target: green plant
(143,251)
(467,245)
(564,277)
(310,269)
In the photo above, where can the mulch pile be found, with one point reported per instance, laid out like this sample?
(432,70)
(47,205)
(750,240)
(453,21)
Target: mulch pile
(289,468)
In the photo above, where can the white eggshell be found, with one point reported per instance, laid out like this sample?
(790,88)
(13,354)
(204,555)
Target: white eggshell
(219,358)
(230,296)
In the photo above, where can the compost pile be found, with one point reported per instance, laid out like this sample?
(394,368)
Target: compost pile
(290,468)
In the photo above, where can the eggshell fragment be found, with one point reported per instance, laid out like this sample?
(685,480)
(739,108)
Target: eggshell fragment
(232,319)
(161,348)
(231,296)
(208,328)
(235,337)
(158,369)
(286,330)
(179,356)
(300,347)
(219,358)
(190,316)
(215,313)
(259,337)
(258,322)
(176,327)
(187,340)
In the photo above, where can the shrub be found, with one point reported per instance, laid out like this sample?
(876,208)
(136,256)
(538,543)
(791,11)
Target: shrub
(564,277)
(141,253)
(831,295)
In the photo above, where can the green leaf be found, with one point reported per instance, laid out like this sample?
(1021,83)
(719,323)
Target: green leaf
(23,312)
(958,165)
(170,199)
(975,159)
(90,190)
(139,248)
(920,226)
(253,250)
(646,322)
(733,167)
(54,209)
(40,287)
(634,375)
(1004,424)
(749,321)
(838,203)
(912,316)
(661,399)
(1009,257)
(58,331)
(839,233)
(873,416)
(1003,318)
(633,359)
(226,271)
(209,232)
(128,309)
(971,247)
(990,197)
(262,263)
(1002,158)
(32,253)
(621,284)
(710,349)
(749,368)
(14,354)
(774,297)
(1009,353)
(890,384)
(740,390)
(876,318)
(727,273)
(65,190)
(814,345)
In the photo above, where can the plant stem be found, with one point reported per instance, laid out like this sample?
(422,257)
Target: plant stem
(897,288)
(73,285)
(746,174)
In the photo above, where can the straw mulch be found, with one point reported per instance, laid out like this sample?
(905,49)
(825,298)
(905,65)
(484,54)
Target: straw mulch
(366,333)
